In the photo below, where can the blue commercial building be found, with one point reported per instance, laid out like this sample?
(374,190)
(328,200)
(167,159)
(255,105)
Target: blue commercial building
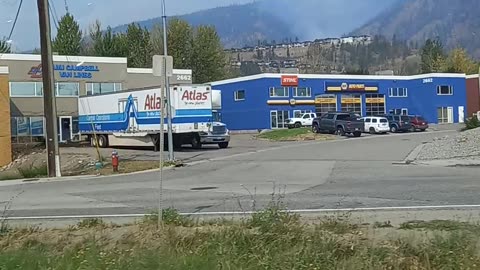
(265,101)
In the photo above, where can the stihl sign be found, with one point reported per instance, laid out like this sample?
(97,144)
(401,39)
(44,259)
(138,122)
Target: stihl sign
(289,80)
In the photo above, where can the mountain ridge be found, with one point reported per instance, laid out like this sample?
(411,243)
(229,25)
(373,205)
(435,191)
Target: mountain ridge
(242,25)
(454,23)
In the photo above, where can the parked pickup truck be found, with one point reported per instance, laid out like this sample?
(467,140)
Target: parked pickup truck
(305,120)
(340,123)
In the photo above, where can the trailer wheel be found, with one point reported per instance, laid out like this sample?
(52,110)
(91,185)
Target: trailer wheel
(102,141)
(196,144)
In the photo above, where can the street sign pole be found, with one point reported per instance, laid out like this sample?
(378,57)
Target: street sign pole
(171,156)
(162,65)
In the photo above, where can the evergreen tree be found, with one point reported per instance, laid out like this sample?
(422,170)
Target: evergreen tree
(5,47)
(180,43)
(139,47)
(432,56)
(69,36)
(157,39)
(208,58)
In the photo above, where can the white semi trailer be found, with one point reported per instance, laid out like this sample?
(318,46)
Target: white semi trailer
(132,118)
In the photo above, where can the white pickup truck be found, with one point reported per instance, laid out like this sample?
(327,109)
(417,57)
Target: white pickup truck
(305,120)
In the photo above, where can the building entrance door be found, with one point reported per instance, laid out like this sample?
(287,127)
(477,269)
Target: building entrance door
(65,128)
(278,118)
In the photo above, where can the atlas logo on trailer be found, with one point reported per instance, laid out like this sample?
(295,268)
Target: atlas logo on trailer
(152,102)
(194,97)
(288,80)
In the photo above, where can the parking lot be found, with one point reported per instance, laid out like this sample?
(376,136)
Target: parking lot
(343,173)
(240,143)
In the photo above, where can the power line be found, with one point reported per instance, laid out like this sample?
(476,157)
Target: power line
(53,12)
(15,21)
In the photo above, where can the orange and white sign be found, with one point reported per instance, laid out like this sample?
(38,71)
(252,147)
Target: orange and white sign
(288,80)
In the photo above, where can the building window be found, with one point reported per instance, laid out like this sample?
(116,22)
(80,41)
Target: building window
(278,91)
(398,92)
(69,89)
(27,129)
(444,90)
(239,95)
(298,113)
(302,92)
(102,88)
(396,111)
(26,89)
(375,104)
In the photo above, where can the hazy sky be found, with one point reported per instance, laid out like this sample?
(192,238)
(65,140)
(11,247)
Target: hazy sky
(109,12)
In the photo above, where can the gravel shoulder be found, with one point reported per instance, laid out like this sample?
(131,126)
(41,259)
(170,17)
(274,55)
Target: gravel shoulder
(464,146)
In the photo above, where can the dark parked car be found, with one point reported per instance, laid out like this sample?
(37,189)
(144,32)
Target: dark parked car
(398,123)
(340,123)
(418,123)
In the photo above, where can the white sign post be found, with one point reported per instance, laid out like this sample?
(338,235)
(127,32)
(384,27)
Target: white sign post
(163,67)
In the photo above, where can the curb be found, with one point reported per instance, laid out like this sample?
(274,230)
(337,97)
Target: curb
(412,156)
(73,178)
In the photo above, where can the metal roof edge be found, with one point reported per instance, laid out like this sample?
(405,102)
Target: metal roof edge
(340,76)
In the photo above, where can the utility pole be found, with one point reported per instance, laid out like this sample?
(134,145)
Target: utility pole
(49,102)
(171,156)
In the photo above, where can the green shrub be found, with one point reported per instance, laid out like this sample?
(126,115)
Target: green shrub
(170,216)
(91,223)
(33,172)
(472,122)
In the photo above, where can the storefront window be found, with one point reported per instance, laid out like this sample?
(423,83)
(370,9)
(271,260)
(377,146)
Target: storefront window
(102,88)
(325,103)
(30,89)
(67,89)
(375,104)
(352,103)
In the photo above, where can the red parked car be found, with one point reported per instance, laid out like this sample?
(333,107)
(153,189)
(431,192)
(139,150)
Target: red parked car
(418,123)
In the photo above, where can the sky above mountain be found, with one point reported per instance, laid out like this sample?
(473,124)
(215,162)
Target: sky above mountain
(109,12)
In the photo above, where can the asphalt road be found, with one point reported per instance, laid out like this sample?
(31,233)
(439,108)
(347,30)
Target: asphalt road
(348,173)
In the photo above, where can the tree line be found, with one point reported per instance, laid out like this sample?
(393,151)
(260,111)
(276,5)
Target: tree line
(435,59)
(196,48)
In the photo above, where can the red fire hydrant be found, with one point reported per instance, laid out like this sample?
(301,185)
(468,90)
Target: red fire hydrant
(115,160)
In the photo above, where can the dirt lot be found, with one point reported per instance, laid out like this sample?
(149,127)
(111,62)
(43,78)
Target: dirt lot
(30,161)
(80,159)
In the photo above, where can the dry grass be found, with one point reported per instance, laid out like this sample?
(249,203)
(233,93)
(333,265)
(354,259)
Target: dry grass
(271,239)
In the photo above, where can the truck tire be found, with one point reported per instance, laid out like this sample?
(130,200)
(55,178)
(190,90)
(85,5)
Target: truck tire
(298,125)
(315,128)
(223,145)
(196,143)
(412,129)
(102,141)
(393,129)
(340,131)
(357,134)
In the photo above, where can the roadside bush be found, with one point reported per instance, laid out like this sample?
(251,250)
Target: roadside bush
(471,123)
(91,223)
(274,219)
(33,172)
(170,216)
